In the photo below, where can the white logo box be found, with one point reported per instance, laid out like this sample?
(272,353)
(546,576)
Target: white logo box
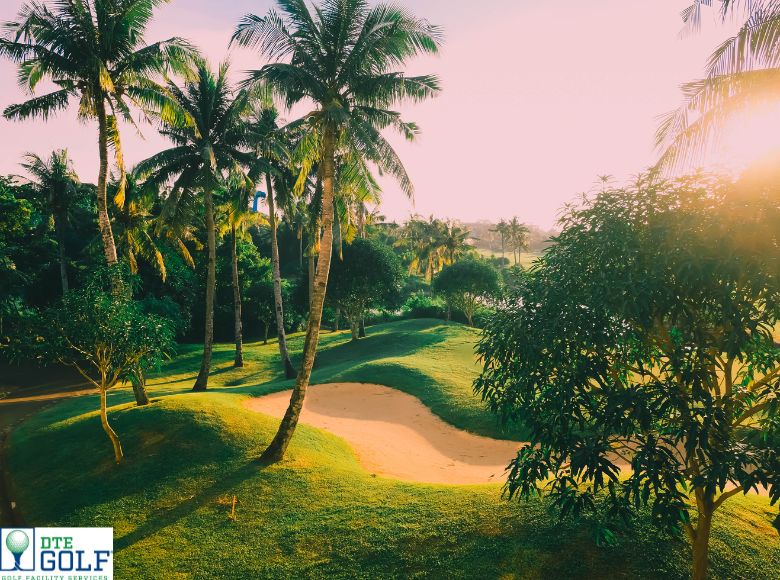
(85,553)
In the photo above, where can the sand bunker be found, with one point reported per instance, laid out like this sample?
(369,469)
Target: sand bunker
(395,435)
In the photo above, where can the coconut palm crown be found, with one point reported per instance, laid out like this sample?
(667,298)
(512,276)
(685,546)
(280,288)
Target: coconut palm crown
(344,56)
(743,72)
(93,51)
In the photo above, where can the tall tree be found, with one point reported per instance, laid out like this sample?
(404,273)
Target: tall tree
(342,57)
(93,51)
(502,229)
(655,381)
(236,215)
(56,185)
(517,236)
(272,152)
(743,72)
(206,148)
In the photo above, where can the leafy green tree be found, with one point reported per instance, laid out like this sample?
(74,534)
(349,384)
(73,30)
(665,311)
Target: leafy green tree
(205,150)
(104,334)
(56,185)
(342,56)
(93,52)
(15,229)
(369,275)
(467,285)
(640,355)
(455,241)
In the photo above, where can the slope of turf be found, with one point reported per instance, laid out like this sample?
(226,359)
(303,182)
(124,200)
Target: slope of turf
(425,358)
(318,514)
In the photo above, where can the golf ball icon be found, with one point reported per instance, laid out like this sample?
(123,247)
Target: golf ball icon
(17,542)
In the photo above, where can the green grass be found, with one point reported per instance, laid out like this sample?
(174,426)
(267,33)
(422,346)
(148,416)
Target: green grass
(425,358)
(318,513)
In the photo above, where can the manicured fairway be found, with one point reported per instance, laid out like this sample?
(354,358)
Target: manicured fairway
(319,513)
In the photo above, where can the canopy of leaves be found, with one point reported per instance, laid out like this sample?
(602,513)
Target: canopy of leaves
(467,284)
(100,331)
(369,276)
(644,338)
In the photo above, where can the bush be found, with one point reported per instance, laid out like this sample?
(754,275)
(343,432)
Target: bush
(421,305)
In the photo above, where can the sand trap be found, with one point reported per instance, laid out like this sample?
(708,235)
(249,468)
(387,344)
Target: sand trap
(395,435)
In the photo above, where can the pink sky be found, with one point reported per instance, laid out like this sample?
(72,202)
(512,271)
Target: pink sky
(539,98)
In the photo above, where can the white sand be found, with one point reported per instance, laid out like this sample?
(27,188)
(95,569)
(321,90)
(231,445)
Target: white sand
(395,435)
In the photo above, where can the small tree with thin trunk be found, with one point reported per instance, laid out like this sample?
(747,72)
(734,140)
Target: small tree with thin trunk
(104,334)
(369,275)
(640,355)
(467,285)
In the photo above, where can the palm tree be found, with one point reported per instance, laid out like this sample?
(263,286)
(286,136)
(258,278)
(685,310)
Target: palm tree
(341,56)
(272,152)
(502,229)
(134,227)
(93,52)
(206,148)
(426,240)
(517,235)
(454,240)
(236,192)
(55,183)
(744,71)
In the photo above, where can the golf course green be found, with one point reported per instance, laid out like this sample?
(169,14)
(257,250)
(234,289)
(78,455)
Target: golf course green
(319,513)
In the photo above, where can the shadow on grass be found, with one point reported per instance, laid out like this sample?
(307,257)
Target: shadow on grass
(166,445)
(209,496)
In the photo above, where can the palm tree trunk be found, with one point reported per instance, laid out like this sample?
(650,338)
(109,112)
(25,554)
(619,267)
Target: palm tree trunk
(239,360)
(289,371)
(59,227)
(312,273)
(362,327)
(202,381)
(336,319)
(300,247)
(362,220)
(337,234)
(278,446)
(106,235)
(115,443)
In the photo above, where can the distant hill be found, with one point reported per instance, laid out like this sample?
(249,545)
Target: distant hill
(484,238)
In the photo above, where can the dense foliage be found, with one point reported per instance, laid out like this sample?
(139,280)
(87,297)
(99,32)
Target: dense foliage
(467,285)
(102,332)
(368,276)
(640,354)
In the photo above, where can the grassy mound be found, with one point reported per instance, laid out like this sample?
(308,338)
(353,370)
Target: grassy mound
(319,513)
